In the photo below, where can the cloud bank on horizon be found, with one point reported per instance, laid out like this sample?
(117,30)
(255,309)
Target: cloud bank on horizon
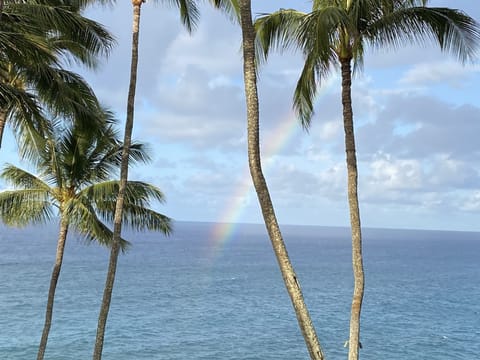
(416,112)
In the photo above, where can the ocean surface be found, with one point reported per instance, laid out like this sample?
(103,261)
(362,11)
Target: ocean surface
(196,296)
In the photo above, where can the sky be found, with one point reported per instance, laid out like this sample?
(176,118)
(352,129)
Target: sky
(416,113)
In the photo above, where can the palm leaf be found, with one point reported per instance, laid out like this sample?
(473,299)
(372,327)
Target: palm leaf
(312,33)
(99,193)
(138,197)
(83,218)
(36,38)
(454,31)
(23,114)
(77,100)
(22,42)
(137,193)
(20,178)
(189,13)
(306,90)
(26,206)
(141,218)
(141,193)
(108,161)
(229,7)
(277,31)
(70,33)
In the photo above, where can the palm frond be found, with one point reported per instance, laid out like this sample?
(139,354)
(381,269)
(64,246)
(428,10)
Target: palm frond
(83,218)
(277,30)
(36,38)
(137,193)
(99,193)
(305,91)
(139,153)
(454,31)
(229,7)
(189,13)
(137,200)
(358,55)
(77,100)
(31,136)
(21,40)
(25,206)
(22,113)
(140,218)
(142,193)
(22,179)
(318,34)
(69,33)
(106,161)
(49,164)
(313,34)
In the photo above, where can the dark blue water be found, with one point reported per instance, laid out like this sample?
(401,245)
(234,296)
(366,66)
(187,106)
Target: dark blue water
(175,299)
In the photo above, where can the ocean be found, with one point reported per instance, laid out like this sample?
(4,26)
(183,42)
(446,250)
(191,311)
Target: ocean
(184,297)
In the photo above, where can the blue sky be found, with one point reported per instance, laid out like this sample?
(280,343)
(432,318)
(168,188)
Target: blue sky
(416,112)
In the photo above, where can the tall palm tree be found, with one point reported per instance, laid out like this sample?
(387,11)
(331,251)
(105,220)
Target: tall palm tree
(38,39)
(334,35)
(273,229)
(75,168)
(189,16)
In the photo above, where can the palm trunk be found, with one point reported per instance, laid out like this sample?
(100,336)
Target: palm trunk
(62,236)
(3,121)
(288,273)
(117,229)
(352,173)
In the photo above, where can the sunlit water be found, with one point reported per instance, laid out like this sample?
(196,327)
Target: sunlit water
(176,298)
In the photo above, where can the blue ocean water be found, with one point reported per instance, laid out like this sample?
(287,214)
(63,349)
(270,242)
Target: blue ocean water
(175,298)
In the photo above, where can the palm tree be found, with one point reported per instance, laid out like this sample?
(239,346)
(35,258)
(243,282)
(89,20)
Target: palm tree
(38,38)
(189,16)
(335,34)
(74,171)
(273,229)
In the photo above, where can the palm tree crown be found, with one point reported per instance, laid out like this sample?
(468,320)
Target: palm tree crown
(38,38)
(74,175)
(337,30)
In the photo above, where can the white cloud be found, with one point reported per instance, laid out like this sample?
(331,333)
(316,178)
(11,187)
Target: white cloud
(333,181)
(471,203)
(448,173)
(418,154)
(394,174)
(443,72)
(330,129)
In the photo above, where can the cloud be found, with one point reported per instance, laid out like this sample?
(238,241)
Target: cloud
(447,174)
(330,129)
(395,174)
(220,54)
(416,121)
(433,73)
(434,127)
(471,203)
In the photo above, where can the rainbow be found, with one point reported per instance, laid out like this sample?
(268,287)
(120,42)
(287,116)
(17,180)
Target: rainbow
(287,129)
(227,223)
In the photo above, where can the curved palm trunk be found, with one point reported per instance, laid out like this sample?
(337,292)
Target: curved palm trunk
(288,273)
(352,173)
(62,236)
(117,229)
